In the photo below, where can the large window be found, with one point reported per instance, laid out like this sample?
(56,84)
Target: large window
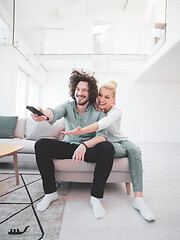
(5,33)
(6,22)
(27,93)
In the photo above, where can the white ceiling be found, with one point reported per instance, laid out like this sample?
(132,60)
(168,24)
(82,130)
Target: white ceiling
(46,12)
(62,16)
(35,18)
(52,12)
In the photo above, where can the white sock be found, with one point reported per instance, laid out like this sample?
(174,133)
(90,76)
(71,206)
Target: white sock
(97,208)
(46,201)
(146,213)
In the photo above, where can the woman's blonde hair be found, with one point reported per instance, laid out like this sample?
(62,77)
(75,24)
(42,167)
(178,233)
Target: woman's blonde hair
(111,85)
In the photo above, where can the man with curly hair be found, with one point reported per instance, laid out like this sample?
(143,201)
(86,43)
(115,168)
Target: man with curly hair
(91,147)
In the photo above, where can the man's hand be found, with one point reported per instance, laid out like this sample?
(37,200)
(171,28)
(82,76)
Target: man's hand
(78,155)
(38,118)
(49,116)
(76,131)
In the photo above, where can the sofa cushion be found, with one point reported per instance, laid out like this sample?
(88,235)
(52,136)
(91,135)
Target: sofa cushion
(5,140)
(27,144)
(66,165)
(20,128)
(7,126)
(38,130)
(29,127)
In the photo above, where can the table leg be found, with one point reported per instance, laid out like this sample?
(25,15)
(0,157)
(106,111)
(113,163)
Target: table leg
(16,167)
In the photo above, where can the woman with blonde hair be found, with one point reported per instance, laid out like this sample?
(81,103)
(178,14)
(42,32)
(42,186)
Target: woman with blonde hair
(122,146)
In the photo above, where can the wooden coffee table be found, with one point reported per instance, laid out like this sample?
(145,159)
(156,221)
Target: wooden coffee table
(6,150)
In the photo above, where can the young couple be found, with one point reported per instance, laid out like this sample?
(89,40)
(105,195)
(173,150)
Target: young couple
(92,136)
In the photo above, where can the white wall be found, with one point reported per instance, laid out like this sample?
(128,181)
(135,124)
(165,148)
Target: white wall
(55,90)
(127,37)
(173,19)
(74,38)
(8,74)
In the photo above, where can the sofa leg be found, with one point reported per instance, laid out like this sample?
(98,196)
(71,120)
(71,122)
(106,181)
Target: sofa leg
(128,188)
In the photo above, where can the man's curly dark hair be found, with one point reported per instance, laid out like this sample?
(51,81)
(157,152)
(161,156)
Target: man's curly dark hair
(76,77)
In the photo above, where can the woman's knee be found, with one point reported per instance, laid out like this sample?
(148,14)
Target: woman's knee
(120,152)
(133,149)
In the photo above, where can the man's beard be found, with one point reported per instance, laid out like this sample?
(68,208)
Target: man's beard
(83,103)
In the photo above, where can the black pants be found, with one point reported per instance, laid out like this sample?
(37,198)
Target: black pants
(48,149)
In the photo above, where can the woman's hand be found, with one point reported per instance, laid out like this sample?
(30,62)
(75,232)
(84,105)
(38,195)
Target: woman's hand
(96,105)
(76,131)
(79,153)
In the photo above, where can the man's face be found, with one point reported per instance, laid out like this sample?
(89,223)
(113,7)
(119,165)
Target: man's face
(82,93)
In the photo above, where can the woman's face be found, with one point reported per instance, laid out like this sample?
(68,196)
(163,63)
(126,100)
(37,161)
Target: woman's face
(105,99)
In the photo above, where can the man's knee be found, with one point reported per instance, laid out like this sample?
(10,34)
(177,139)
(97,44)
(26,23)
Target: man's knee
(41,144)
(107,148)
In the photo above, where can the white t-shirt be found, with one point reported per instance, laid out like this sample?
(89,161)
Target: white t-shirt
(112,121)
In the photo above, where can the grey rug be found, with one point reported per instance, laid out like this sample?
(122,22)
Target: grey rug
(18,209)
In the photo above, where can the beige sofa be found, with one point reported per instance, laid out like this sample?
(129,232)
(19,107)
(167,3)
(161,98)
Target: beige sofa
(27,132)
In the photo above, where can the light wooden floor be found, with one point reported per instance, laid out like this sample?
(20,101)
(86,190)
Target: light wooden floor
(161,163)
